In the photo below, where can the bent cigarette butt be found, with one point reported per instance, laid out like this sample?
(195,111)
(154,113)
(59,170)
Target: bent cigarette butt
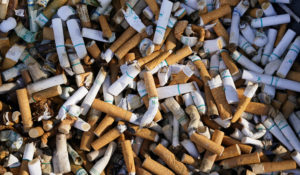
(47,93)
(227,141)
(24,109)
(104,124)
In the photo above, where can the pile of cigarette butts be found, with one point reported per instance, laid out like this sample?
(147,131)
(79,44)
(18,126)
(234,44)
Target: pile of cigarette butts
(149,87)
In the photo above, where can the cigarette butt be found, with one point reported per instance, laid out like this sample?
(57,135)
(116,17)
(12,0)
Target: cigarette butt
(26,77)
(287,108)
(209,123)
(24,168)
(197,80)
(130,44)
(48,33)
(229,62)
(187,159)
(104,124)
(206,143)
(179,28)
(129,32)
(227,141)
(211,105)
(158,47)
(128,156)
(105,27)
(256,12)
(154,7)
(241,108)
(257,108)
(49,11)
(36,132)
(83,14)
(66,124)
(230,151)
(108,137)
(179,55)
(171,42)
(150,85)
(229,2)
(281,32)
(88,136)
(180,78)
(209,157)
(148,58)
(145,133)
(156,167)
(267,167)
(47,125)
(215,14)
(151,65)
(78,169)
(158,115)
(93,49)
(220,30)
(169,158)
(47,93)
(293,75)
(112,110)
(244,159)
(24,109)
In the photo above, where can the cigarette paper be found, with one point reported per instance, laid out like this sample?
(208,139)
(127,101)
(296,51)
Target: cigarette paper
(209,157)
(162,22)
(281,1)
(296,156)
(268,9)
(76,64)
(49,11)
(190,148)
(244,159)
(76,38)
(287,131)
(92,34)
(272,81)
(108,137)
(246,46)
(133,20)
(294,120)
(24,109)
(269,46)
(234,31)
(268,167)
(247,31)
(65,12)
(169,158)
(199,102)
(229,87)
(8,24)
(61,163)
(34,167)
(215,14)
(156,167)
(216,87)
(245,62)
(206,143)
(93,155)
(289,58)
(270,21)
(252,141)
(174,90)
(12,72)
(212,46)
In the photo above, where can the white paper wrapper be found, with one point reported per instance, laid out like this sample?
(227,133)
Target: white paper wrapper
(295,122)
(175,134)
(245,62)
(146,47)
(242,7)
(60,160)
(188,100)
(256,59)
(214,65)
(64,12)
(194,4)
(34,167)
(100,165)
(249,140)
(91,95)
(132,19)
(190,148)
(287,131)
(15,52)
(222,123)
(268,90)
(93,155)
(247,32)
(151,112)
(211,46)
(199,102)
(138,8)
(272,33)
(76,37)
(281,1)
(289,58)
(29,151)
(8,24)
(173,90)
(188,9)
(107,96)
(46,83)
(270,21)
(163,75)
(237,134)
(101,9)
(13,72)
(246,46)
(190,41)
(82,125)
(76,64)
(260,39)
(268,9)
(118,86)
(41,20)
(74,99)
(148,13)
(234,29)
(60,45)
(229,87)
(163,19)
(97,35)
